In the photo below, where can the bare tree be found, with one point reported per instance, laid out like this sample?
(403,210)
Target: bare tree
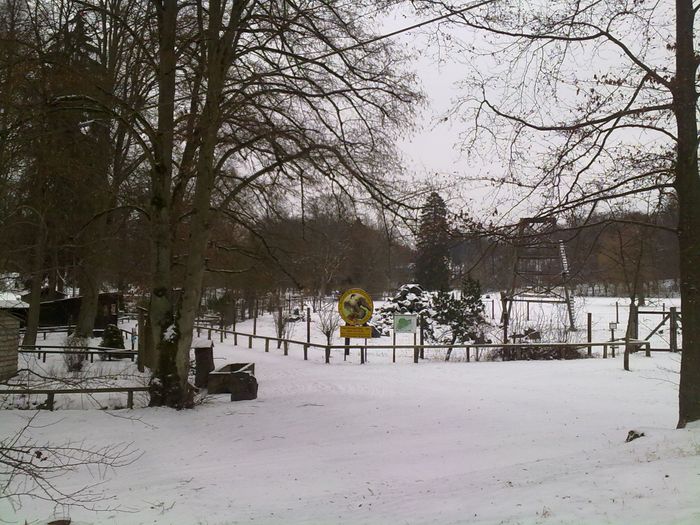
(588,123)
(260,111)
(328,321)
(70,155)
(196,114)
(33,471)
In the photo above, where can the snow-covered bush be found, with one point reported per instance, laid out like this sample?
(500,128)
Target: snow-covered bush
(410,299)
(75,353)
(446,318)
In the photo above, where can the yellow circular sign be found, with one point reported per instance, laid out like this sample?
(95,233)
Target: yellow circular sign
(355,306)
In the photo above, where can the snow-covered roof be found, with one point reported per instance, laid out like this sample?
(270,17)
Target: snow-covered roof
(11,300)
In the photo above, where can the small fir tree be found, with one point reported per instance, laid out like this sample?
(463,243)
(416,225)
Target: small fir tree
(112,337)
(459,320)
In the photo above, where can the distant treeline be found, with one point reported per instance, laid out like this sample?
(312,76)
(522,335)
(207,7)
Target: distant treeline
(608,253)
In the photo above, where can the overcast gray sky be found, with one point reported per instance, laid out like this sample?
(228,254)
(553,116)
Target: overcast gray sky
(432,151)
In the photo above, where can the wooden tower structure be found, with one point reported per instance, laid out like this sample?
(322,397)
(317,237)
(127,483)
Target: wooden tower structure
(540,270)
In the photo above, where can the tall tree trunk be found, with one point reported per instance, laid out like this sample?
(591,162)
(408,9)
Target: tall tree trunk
(162,337)
(688,191)
(89,283)
(32,327)
(200,214)
(172,331)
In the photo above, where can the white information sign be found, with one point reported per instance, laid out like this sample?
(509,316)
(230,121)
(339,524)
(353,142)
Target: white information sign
(405,323)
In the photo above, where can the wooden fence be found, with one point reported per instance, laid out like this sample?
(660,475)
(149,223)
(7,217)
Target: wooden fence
(284,344)
(43,330)
(91,351)
(51,392)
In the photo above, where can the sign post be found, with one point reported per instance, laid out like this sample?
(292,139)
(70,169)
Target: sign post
(355,307)
(406,324)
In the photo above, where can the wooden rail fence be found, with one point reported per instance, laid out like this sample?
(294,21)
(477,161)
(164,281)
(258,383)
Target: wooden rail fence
(476,347)
(43,330)
(91,351)
(51,392)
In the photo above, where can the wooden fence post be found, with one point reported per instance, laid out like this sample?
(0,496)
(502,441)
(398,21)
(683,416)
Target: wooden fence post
(286,347)
(280,325)
(267,344)
(589,331)
(250,341)
(306,352)
(308,324)
(505,319)
(328,354)
(422,353)
(393,350)
(130,399)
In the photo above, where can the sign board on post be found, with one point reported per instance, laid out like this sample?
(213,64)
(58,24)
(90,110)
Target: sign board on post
(363,332)
(405,323)
(355,306)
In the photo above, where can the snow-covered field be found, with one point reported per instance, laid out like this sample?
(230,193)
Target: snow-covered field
(487,442)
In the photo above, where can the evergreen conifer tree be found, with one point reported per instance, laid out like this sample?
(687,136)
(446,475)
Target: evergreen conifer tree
(460,320)
(431,268)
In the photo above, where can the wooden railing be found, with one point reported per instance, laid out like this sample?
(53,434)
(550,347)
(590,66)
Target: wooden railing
(91,351)
(43,330)
(467,347)
(51,392)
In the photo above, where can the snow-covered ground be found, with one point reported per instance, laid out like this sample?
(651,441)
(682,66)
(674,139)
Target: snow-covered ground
(483,443)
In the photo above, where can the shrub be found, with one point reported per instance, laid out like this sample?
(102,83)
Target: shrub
(112,337)
(410,299)
(74,359)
